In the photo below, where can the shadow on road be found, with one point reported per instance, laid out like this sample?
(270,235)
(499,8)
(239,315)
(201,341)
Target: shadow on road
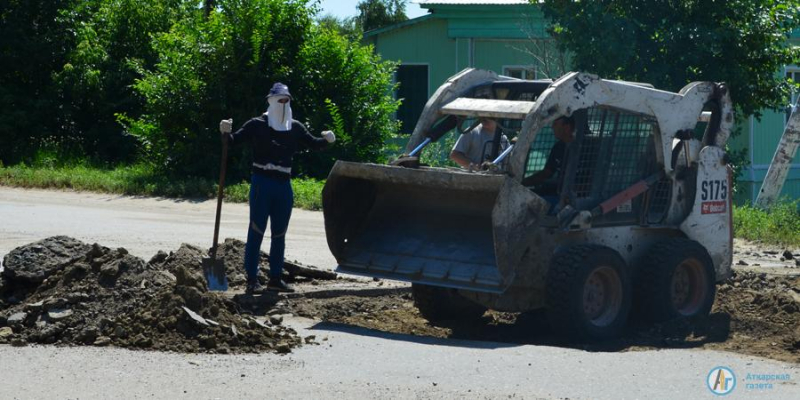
(427,340)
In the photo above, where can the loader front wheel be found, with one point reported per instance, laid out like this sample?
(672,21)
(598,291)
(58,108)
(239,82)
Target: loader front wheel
(677,281)
(588,292)
(442,304)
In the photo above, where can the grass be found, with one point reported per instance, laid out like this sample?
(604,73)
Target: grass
(780,225)
(141,180)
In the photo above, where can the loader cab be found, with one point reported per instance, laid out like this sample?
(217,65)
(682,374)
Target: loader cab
(613,150)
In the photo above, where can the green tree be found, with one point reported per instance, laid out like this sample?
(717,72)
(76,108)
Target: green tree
(672,43)
(33,43)
(214,67)
(223,65)
(375,14)
(66,68)
(113,40)
(345,87)
(344,26)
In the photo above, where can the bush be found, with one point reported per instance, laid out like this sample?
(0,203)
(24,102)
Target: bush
(117,82)
(32,46)
(779,225)
(222,66)
(344,87)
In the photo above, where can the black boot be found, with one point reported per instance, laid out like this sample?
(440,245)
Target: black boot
(254,287)
(279,285)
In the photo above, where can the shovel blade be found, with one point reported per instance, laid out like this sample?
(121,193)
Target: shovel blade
(214,272)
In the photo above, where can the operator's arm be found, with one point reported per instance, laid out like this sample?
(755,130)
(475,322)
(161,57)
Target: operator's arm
(460,158)
(311,141)
(459,152)
(551,166)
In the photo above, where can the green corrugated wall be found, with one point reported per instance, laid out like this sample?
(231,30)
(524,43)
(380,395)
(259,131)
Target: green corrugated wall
(423,43)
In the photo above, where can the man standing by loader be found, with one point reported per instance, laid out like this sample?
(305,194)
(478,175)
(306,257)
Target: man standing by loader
(274,137)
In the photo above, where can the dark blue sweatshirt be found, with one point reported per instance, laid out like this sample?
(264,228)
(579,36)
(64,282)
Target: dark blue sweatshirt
(273,150)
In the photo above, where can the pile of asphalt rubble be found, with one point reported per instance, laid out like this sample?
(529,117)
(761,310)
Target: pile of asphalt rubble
(63,291)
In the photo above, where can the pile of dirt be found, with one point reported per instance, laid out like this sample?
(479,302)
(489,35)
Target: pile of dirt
(764,314)
(231,253)
(60,290)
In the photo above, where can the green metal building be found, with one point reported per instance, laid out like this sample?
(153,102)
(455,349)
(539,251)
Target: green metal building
(509,37)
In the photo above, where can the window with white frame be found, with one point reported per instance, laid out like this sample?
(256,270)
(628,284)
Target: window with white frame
(520,71)
(794,74)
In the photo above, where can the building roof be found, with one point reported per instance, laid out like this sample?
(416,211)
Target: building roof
(463,12)
(405,23)
(475,2)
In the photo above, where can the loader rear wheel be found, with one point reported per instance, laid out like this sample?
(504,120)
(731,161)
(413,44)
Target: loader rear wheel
(678,281)
(441,304)
(588,292)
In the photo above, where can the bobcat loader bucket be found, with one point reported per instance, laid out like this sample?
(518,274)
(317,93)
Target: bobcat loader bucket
(433,226)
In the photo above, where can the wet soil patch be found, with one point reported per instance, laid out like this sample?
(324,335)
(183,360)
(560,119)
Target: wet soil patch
(754,314)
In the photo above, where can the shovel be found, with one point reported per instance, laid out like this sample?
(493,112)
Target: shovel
(213,269)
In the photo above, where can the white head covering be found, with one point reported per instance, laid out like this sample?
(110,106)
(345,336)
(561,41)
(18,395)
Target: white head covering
(279,115)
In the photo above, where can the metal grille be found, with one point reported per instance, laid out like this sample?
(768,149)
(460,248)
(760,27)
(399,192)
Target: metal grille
(611,154)
(629,146)
(540,150)
(660,196)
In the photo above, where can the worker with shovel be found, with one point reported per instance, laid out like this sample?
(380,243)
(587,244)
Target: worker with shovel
(274,137)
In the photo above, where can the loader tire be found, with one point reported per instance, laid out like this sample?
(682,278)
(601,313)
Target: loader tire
(588,292)
(443,304)
(676,281)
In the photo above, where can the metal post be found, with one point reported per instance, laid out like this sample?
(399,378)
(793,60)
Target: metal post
(781,162)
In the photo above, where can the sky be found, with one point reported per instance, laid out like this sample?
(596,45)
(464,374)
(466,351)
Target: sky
(347,8)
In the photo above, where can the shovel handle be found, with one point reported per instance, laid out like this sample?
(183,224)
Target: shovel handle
(222,170)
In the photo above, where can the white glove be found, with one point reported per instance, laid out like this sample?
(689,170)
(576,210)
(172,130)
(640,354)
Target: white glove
(225,126)
(329,136)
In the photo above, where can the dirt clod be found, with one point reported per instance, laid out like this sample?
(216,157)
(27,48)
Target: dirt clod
(35,262)
(6,332)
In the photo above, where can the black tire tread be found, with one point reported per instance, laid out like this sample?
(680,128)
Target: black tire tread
(653,277)
(561,277)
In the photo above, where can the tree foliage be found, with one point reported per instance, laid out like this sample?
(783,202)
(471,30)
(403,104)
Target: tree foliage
(113,42)
(672,43)
(346,26)
(32,45)
(223,65)
(376,14)
(149,80)
(343,86)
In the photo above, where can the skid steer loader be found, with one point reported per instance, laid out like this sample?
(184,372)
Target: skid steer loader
(638,215)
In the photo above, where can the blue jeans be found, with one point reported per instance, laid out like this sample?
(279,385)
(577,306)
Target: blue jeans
(269,198)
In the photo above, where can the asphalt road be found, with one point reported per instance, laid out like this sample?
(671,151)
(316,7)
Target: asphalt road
(351,363)
(143,225)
